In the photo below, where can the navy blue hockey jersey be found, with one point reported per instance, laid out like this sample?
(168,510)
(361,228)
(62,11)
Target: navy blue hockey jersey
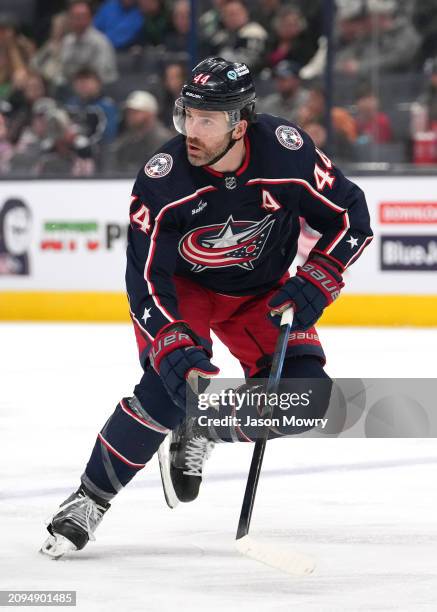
(235,233)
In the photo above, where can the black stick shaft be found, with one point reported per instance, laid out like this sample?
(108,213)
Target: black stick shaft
(260,444)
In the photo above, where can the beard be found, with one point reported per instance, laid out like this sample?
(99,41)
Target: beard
(202,155)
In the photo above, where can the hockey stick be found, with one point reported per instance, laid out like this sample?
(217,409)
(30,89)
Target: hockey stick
(291,562)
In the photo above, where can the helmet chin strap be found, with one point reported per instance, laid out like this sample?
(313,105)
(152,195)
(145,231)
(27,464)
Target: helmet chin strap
(228,147)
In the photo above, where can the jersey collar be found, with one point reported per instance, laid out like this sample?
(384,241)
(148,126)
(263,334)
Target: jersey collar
(241,169)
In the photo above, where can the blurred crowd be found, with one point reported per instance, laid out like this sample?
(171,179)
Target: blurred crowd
(87,88)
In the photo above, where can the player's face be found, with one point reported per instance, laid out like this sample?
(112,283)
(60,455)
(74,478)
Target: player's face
(207,135)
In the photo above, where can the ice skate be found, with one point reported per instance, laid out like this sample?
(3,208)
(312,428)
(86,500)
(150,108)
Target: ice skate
(182,456)
(74,524)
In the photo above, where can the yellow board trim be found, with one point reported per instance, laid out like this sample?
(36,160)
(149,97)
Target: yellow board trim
(384,310)
(63,306)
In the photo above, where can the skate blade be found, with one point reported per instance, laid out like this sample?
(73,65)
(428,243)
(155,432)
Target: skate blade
(56,546)
(164,467)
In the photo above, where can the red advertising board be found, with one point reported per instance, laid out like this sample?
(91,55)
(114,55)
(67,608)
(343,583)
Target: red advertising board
(420,213)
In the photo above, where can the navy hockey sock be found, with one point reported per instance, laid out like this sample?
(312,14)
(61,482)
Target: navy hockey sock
(131,436)
(128,440)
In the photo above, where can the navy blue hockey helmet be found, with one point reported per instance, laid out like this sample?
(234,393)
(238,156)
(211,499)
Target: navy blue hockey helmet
(216,84)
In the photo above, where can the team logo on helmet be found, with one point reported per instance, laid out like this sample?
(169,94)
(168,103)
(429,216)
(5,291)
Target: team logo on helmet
(159,165)
(234,243)
(232,75)
(289,137)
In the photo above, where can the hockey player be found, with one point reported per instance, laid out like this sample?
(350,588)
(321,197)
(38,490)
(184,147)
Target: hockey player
(214,224)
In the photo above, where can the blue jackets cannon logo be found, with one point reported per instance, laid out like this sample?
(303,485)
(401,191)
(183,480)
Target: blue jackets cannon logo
(234,243)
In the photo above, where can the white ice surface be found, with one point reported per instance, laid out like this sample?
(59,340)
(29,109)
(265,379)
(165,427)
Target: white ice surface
(365,508)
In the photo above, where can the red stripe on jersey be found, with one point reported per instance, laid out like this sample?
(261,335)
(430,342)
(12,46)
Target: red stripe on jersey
(153,238)
(119,455)
(340,235)
(238,429)
(142,342)
(367,241)
(242,435)
(148,424)
(308,187)
(316,194)
(243,166)
(213,172)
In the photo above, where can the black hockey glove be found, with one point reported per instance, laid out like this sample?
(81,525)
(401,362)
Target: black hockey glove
(316,284)
(176,356)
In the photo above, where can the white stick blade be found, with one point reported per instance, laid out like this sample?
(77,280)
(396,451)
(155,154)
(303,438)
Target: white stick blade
(289,561)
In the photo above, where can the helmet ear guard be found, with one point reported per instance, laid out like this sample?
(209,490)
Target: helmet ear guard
(248,113)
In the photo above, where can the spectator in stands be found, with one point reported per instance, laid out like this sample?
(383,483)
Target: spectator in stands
(210,21)
(177,40)
(22,100)
(291,38)
(156,24)
(318,133)
(94,113)
(86,46)
(46,10)
(311,117)
(51,145)
(31,140)
(373,126)
(6,148)
(375,39)
(425,20)
(424,110)
(240,39)
(312,10)
(47,60)
(120,20)
(352,27)
(289,95)
(265,12)
(15,53)
(174,77)
(142,136)
(430,97)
